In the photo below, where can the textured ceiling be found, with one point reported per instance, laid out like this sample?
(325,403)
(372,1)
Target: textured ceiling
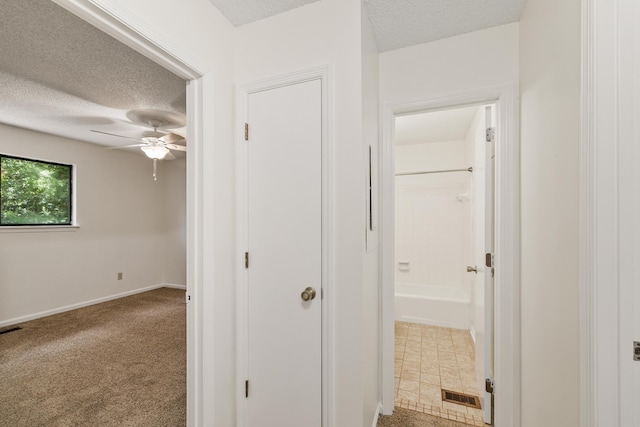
(240,12)
(397,23)
(403,23)
(436,126)
(62,76)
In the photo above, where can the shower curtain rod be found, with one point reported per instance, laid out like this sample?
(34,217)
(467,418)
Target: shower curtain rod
(442,171)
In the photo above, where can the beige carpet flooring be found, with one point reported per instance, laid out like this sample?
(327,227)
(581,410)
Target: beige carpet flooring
(120,363)
(408,418)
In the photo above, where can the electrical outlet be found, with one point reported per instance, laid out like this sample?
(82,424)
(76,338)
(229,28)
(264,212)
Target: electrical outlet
(119,276)
(636,351)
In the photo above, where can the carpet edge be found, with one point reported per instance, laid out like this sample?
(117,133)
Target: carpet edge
(28,317)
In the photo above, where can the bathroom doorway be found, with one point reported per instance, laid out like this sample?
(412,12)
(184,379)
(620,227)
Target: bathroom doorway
(443,339)
(505,261)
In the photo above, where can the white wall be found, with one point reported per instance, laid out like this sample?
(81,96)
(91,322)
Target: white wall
(433,227)
(431,156)
(329,32)
(371,287)
(550,153)
(122,213)
(450,66)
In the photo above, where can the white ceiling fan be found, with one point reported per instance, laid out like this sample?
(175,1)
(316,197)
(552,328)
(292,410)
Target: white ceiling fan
(155,145)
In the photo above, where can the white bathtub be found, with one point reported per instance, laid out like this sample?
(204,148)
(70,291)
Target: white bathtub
(432,305)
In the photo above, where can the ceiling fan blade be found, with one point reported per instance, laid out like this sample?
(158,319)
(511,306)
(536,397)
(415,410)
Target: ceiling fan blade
(171,138)
(113,134)
(169,156)
(176,147)
(125,146)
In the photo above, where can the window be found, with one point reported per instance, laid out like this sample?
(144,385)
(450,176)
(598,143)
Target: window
(34,192)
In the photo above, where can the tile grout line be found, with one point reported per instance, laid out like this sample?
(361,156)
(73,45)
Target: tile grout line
(441,340)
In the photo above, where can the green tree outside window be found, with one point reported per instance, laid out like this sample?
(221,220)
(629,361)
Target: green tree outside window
(34,192)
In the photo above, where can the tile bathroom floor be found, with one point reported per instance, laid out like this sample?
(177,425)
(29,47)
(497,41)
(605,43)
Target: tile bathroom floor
(429,359)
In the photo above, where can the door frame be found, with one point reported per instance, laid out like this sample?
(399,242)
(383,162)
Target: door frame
(323,73)
(115,19)
(507,244)
(605,283)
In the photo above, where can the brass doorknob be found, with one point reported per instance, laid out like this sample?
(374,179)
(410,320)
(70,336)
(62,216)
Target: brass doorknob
(472,269)
(308,294)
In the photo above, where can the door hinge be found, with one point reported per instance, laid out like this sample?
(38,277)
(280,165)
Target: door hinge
(246,388)
(246,131)
(246,260)
(491,134)
(489,385)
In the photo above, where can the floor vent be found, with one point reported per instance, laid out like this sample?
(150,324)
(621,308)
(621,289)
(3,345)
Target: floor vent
(7,330)
(461,399)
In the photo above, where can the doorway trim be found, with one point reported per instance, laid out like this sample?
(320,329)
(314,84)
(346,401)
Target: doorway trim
(605,286)
(507,242)
(115,19)
(323,73)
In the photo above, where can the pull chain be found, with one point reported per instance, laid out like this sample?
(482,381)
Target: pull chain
(155,178)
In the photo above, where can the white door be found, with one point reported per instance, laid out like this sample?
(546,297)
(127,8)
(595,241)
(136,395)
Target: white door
(489,251)
(284,256)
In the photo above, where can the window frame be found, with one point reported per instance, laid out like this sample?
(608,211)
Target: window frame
(72,198)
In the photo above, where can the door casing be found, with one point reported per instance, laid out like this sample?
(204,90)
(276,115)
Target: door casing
(115,19)
(507,241)
(324,74)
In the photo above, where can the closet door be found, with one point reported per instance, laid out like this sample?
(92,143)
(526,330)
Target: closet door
(284,181)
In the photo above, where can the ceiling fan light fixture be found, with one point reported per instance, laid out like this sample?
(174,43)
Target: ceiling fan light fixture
(155,151)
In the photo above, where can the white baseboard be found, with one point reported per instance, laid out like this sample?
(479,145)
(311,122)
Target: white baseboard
(378,412)
(172,286)
(70,307)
